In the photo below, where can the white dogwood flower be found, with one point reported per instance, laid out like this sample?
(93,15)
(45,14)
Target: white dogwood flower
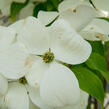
(97,30)
(36,98)
(82,19)
(38,52)
(76,12)
(16,97)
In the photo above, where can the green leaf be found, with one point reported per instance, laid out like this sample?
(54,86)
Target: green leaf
(16,8)
(104,18)
(98,62)
(54,3)
(97,47)
(38,7)
(90,83)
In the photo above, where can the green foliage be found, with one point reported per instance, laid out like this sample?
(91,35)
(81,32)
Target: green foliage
(49,5)
(16,8)
(38,7)
(97,47)
(90,83)
(98,62)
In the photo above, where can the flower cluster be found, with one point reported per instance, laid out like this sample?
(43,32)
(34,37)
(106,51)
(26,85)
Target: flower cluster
(35,57)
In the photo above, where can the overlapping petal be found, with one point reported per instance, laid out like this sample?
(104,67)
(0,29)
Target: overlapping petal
(16,97)
(7,36)
(3,85)
(59,86)
(47,17)
(78,17)
(82,104)
(34,36)
(71,4)
(96,30)
(37,72)
(13,63)
(67,45)
(34,94)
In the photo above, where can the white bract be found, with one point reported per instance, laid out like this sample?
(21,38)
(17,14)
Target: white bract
(76,12)
(97,30)
(16,97)
(38,53)
(36,98)
(81,16)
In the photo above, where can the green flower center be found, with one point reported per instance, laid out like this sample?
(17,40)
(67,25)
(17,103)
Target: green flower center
(48,57)
(23,80)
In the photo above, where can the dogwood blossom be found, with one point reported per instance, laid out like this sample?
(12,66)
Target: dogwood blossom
(77,13)
(16,97)
(96,30)
(89,27)
(36,98)
(38,53)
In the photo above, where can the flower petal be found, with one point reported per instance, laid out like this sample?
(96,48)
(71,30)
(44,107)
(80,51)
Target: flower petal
(34,94)
(16,95)
(102,5)
(47,17)
(3,85)
(32,106)
(37,72)
(17,26)
(7,36)
(34,36)
(79,17)
(59,86)
(67,45)
(82,104)
(67,4)
(96,30)
(13,61)
(26,11)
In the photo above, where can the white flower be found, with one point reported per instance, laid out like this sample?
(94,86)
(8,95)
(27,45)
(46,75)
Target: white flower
(13,94)
(36,98)
(82,19)
(97,30)
(56,44)
(76,12)
(16,97)
(83,102)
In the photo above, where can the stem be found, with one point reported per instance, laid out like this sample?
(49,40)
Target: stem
(95,104)
(89,102)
